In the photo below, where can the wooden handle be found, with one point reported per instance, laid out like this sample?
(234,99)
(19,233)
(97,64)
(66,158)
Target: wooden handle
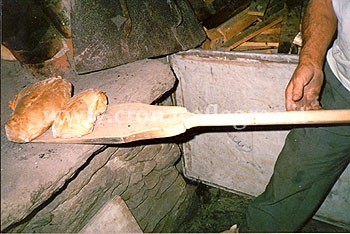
(269,118)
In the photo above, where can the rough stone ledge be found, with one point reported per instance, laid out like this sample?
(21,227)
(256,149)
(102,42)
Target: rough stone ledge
(31,174)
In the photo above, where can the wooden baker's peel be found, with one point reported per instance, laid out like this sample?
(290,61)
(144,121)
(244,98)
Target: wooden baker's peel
(123,123)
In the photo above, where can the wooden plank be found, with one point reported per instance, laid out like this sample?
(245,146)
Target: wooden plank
(213,33)
(230,28)
(257,50)
(128,122)
(236,24)
(251,45)
(254,30)
(270,35)
(268,38)
(233,26)
(265,50)
(273,30)
(258,7)
(290,27)
(260,44)
(227,12)
(206,44)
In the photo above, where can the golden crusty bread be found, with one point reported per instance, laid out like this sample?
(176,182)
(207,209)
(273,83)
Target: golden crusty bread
(78,116)
(35,108)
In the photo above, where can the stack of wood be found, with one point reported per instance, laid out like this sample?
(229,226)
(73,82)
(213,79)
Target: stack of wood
(269,26)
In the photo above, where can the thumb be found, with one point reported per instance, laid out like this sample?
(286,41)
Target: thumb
(294,91)
(293,94)
(297,91)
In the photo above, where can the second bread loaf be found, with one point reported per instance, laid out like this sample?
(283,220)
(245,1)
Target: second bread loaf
(78,116)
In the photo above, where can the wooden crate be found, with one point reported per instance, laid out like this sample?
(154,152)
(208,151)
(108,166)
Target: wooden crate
(235,158)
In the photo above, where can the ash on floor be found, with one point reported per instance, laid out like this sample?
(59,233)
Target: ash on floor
(217,210)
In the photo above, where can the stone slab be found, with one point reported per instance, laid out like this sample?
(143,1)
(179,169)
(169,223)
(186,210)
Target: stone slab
(144,176)
(109,33)
(33,174)
(114,217)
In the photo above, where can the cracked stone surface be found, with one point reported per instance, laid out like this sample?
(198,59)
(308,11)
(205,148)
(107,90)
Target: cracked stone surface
(110,33)
(58,188)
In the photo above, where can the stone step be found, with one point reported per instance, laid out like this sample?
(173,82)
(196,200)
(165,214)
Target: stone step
(113,217)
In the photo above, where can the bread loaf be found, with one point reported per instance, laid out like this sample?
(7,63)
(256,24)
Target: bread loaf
(78,116)
(35,108)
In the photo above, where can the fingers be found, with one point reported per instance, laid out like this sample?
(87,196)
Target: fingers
(309,101)
(303,105)
(303,90)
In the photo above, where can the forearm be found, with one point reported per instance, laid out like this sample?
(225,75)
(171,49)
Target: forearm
(318,28)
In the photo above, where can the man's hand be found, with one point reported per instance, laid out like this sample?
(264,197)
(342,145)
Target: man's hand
(318,27)
(304,88)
